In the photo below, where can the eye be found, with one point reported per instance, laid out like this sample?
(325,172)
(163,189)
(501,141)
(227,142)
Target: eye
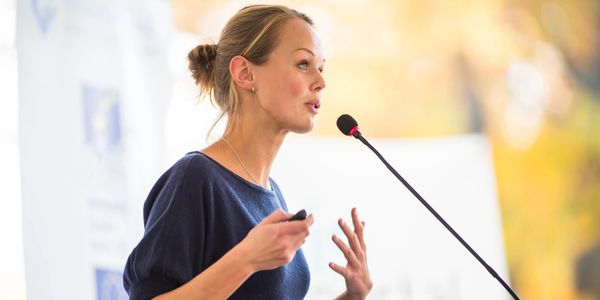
(303,65)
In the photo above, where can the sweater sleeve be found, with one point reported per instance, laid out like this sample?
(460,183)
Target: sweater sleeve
(170,252)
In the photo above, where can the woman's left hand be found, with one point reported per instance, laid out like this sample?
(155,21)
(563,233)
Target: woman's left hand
(356,272)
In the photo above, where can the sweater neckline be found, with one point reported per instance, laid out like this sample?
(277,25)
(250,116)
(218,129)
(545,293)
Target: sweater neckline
(236,176)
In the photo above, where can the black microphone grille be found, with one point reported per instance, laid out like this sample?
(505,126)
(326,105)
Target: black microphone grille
(346,123)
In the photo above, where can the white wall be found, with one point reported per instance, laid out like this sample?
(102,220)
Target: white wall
(12,272)
(411,255)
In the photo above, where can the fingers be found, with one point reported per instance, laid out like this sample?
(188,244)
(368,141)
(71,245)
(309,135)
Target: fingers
(359,229)
(296,227)
(338,269)
(355,273)
(296,231)
(348,253)
(355,252)
(352,238)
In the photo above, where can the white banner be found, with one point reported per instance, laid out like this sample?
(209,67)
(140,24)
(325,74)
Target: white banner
(93,85)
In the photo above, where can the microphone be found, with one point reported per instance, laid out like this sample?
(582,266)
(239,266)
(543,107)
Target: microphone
(348,126)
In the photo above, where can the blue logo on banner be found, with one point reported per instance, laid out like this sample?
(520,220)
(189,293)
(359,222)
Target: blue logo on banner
(43,12)
(109,285)
(101,116)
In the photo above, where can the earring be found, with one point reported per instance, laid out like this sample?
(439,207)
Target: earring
(253,90)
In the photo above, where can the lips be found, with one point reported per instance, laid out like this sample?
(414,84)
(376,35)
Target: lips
(314,104)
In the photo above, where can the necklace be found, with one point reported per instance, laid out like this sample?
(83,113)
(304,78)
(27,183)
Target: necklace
(241,162)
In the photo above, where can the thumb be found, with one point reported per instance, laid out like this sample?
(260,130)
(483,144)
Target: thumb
(275,217)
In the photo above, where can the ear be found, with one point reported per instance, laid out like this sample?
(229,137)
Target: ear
(240,70)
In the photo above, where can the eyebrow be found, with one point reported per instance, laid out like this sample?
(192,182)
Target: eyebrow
(307,50)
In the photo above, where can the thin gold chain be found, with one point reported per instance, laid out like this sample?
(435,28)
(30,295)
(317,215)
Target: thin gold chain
(241,162)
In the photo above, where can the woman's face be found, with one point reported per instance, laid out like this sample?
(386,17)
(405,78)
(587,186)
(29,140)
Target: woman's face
(289,84)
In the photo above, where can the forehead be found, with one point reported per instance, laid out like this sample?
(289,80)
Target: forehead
(297,34)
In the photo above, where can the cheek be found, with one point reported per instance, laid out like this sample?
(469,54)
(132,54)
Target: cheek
(288,90)
(295,85)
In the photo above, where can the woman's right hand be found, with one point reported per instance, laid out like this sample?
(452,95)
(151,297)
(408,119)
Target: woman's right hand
(274,241)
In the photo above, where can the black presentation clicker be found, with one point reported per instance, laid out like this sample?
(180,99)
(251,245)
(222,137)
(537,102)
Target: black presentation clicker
(301,215)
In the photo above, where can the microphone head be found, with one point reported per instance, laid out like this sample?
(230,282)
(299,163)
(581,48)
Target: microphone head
(346,124)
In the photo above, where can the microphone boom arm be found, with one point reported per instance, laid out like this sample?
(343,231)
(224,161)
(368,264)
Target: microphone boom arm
(359,136)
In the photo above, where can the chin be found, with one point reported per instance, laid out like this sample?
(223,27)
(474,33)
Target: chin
(304,128)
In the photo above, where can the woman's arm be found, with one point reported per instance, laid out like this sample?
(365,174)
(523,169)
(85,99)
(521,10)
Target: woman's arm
(356,273)
(270,244)
(219,281)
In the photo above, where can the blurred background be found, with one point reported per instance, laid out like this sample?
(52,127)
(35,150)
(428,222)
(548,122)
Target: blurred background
(526,74)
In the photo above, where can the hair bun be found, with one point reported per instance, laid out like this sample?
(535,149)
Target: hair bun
(201,62)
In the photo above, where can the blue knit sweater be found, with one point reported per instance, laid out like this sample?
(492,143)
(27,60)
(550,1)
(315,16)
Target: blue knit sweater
(196,212)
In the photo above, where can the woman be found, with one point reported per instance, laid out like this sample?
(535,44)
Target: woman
(216,225)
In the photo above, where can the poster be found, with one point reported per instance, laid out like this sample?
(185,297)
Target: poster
(93,85)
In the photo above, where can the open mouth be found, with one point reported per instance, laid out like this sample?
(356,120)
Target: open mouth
(316,105)
(313,106)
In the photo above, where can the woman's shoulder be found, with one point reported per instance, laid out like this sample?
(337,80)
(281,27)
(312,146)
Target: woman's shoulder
(193,164)
(181,184)
(191,171)
(194,159)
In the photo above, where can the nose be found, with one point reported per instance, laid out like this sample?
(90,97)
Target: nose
(319,83)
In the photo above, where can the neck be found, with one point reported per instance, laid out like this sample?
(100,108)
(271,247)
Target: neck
(255,145)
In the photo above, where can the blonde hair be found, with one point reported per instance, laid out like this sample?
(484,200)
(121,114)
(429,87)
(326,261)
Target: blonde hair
(253,33)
